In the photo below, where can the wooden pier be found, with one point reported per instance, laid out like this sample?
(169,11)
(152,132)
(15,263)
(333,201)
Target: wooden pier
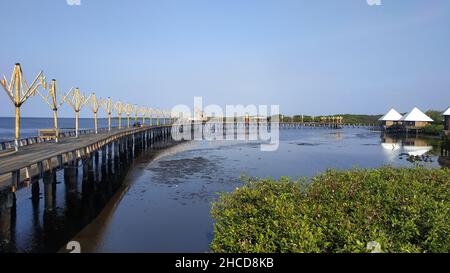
(36,159)
(36,156)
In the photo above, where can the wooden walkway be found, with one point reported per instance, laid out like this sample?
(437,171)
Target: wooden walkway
(37,158)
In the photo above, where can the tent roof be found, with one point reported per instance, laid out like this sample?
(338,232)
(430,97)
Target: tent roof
(416,115)
(392,115)
(446,112)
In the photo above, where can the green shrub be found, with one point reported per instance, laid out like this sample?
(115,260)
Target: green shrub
(433,129)
(405,210)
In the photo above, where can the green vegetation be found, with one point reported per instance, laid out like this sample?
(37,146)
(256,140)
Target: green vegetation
(436,116)
(364,119)
(433,129)
(404,210)
(436,128)
(348,118)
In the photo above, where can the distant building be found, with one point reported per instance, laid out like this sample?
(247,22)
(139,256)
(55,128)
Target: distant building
(391,118)
(258,118)
(415,118)
(446,115)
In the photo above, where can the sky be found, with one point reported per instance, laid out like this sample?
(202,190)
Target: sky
(311,57)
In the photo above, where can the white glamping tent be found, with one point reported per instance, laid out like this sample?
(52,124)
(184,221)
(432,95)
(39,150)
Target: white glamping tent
(391,118)
(416,118)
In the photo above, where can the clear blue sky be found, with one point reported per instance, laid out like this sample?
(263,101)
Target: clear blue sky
(312,57)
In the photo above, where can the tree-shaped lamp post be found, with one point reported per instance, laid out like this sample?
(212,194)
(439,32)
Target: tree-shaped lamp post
(157,116)
(94,103)
(136,110)
(108,108)
(163,117)
(128,110)
(77,101)
(52,101)
(120,108)
(150,115)
(19,92)
(143,111)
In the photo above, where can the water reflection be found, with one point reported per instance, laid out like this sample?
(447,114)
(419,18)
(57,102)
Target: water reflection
(167,206)
(51,210)
(158,200)
(413,149)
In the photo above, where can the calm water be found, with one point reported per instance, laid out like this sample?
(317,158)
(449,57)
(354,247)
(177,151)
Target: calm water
(160,202)
(167,206)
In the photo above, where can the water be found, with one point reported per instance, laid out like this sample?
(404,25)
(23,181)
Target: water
(160,202)
(167,206)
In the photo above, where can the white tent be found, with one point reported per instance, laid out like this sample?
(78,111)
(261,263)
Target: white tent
(416,115)
(392,115)
(446,112)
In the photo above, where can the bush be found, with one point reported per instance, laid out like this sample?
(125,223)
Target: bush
(405,210)
(433,129)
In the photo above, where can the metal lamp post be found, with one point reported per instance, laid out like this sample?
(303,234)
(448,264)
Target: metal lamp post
(107,105)
(77,101)
(52,101)
(120,108)
(19,92)
(95,105)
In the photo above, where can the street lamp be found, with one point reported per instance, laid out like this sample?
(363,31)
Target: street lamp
(19,92)
(77,101)
(54,105)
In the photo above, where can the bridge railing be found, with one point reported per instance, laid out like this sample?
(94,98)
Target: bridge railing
(9,144)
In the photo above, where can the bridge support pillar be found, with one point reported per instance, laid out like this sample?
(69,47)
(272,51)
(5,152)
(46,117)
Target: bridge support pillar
(49,190)
(96,157)
(104,159)
(35,190)
(7,202)
(15,179)
(70,178)
(88,168)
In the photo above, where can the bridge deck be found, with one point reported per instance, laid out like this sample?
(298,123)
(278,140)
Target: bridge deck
(29,155)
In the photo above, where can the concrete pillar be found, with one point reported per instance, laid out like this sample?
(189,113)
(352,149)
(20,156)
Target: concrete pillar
(49,194)
(96,157)
(7,209)
(104,159)
(35,190)
(15,179)
(70,178)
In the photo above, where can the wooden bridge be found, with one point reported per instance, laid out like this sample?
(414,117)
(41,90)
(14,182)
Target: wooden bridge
(290,125)
(37,158)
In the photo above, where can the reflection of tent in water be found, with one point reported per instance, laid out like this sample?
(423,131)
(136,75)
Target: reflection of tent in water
(411,146)
(391,146)
(391,150)
(416,146)
(417,150)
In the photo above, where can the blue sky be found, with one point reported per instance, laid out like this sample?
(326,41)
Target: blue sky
(310,57)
